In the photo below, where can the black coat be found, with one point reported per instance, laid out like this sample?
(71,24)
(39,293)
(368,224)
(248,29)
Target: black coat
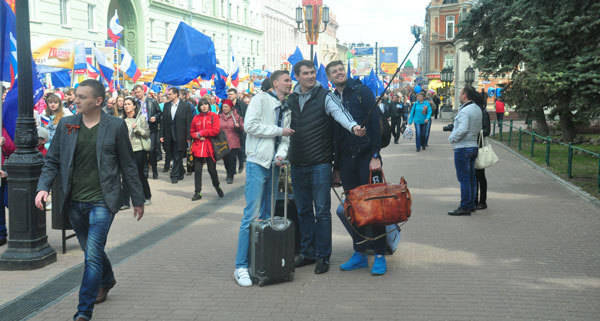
(177,130)
(153,111)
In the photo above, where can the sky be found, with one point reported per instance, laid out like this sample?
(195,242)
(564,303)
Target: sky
(386,21)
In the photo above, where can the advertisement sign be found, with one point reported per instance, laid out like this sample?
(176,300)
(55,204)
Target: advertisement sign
(58,53)
(361,66)
(388,57)
(362,51)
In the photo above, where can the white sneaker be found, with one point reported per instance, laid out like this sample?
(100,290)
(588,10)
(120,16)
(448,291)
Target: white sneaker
(242,277)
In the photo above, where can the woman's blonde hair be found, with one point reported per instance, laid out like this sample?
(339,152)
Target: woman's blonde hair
(59,111)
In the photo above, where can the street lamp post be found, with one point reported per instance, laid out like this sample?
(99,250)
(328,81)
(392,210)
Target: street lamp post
(27,242)
(447,76)
(469,75)
(309,18)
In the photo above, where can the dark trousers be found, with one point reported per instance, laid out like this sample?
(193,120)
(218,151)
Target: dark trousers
(427,130)
(481,193)
(154,153)
(396,127)
(177,156)
(230,161)
(242,154)
(141,160)
(3,203)
(167,156)
(212,170)
(354,172)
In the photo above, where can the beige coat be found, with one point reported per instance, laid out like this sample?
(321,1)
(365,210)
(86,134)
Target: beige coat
(139,134)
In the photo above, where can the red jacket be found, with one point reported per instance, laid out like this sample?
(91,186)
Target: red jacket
(8,147)
(228,127)
(499,106)
(204,125)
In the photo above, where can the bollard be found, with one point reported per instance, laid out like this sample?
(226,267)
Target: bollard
(548,142)
(570,162)
(500,129)
(494,128)
(520,138)
(532,142)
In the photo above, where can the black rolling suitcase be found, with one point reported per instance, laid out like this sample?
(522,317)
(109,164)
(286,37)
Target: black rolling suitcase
(272,244)
(292,211)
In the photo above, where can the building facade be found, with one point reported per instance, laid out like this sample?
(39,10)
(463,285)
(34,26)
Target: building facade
(235,26)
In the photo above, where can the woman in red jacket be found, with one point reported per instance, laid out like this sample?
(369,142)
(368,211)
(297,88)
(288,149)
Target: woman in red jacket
(232,124)
(8,147)
(204,126)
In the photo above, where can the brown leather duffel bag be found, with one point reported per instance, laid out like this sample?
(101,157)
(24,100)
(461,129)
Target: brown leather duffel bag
(380,204)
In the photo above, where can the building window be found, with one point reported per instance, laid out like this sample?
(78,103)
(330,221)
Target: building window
(167,26)
(152,33)
(251,46)
(245,16)
(449,27)
(64,12)
(449,60)
(90,12)
(237,14)
(257,54)
(223,8)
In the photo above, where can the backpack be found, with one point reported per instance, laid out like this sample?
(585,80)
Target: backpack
(386,129)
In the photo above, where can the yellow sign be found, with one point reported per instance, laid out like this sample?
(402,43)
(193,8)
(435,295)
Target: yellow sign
(389,67)
(59,53)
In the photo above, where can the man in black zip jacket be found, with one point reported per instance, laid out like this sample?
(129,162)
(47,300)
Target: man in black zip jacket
(149,108)
(314,109)
(355,159)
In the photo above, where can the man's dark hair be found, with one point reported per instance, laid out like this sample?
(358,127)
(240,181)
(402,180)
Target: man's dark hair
(472,94)
(98,89)
(174,90)
(138,86)
(232,90)
(305,63)
(333,64)
(278,73)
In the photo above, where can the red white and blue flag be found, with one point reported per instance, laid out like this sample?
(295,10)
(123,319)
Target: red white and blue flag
(128,65)
(105,66)
(45,120)
(114,28)
(234,71)
(92,72)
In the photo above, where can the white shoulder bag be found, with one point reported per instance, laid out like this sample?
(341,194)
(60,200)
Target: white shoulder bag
(486,156)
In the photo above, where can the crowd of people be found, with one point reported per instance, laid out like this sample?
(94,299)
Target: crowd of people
(329,137)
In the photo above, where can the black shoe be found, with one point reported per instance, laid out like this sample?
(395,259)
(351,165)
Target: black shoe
(165,169)
(424,147)
(229,180)
(2,241)
(322,266)
(220,192)
(154,175)
(300,261)
(481,206)
(180,178)
(418,150)
(196,196)
(241,168)
(395,141)
(174,181)
(460,212)
(188,173)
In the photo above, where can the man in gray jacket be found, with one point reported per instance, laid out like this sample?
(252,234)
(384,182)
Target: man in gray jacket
(90,151)
(467,125)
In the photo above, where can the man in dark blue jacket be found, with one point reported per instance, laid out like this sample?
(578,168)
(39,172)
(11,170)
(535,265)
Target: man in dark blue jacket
(355,158)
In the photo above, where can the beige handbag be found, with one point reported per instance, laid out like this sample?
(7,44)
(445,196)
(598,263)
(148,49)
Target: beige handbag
(486,156)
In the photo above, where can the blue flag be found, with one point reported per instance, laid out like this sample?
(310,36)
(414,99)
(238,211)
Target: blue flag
(349,73)
(220,85)
(322,77)
(371,82)
(316,62)
(190,54)
(294,58)
(8,43)
(61,79)
(10,110)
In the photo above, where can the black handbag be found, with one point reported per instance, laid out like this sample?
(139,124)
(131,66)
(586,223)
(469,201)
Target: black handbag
(220,145)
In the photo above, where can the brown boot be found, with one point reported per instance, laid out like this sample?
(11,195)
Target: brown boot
(103,292)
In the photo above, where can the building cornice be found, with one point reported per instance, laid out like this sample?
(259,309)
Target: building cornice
(171,8)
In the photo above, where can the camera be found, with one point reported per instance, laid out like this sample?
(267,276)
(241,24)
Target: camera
(448,128)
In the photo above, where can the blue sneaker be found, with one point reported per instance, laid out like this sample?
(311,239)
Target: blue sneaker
(379,265)
(357,261)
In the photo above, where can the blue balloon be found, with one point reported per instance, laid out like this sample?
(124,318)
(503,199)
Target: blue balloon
(491,91)
(418,89)
(499,92)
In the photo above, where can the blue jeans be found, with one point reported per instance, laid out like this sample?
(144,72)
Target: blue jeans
(311,188)
(258,204)
(420,135)
(428,130)
(464,161)
(91,222)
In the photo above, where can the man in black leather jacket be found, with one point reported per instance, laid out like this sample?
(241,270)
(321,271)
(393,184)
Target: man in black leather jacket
(149,108)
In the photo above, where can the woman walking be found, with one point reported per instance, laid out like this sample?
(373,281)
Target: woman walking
(232,124)
(204,126)
(420,114)
(139,135)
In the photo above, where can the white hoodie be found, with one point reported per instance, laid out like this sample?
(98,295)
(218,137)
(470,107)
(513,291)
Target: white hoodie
(260,123)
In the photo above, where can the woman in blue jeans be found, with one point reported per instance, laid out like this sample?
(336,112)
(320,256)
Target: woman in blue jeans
(420,114)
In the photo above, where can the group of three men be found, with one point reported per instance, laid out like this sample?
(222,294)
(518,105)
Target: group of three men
(311,127)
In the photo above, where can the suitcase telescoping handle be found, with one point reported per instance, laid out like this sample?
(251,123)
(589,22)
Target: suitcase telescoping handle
(275,182)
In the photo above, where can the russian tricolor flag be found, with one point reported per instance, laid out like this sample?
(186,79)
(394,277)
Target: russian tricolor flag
(45,120)
(235,71)
(114,28)
(128,66)
(106,69)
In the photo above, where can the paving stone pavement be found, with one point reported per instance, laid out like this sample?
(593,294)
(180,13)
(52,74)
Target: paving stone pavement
(532,255)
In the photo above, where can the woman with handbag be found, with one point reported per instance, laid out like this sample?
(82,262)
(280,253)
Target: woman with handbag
(139,135)
(232,125)
(204,126)
(481,192)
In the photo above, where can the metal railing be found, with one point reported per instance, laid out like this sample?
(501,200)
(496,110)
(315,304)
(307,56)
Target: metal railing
(536,138)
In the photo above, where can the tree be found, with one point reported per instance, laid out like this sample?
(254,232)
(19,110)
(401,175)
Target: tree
(558,42)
